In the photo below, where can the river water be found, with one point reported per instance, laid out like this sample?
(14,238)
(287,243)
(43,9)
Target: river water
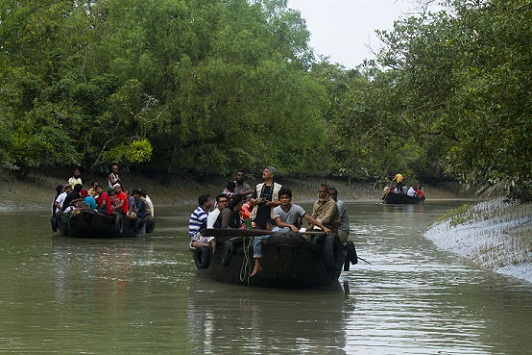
(137,296)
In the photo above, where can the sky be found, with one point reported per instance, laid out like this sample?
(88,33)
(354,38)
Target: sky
(342,29)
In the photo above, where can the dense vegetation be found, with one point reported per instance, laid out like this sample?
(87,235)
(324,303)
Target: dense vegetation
(206,86)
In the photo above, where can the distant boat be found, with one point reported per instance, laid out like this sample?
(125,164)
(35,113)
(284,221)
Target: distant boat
(289,259)
(392,198)
(86,223)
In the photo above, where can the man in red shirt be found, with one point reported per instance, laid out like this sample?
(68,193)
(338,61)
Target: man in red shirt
(103,200)
(120,200)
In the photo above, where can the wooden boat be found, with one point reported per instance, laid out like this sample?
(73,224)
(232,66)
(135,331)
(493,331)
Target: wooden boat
(392,198)
(289,259)
(87,223)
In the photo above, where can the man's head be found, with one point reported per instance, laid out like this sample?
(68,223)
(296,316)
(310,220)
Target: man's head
(269,173)
(240,176)
(117,188)
(114,168)
(78,188)
(77,173)
(221,201)
(323,192)
(205,201)
(270,224)
(285,196)
(333,193)
(84,193)
(68,188)
(136,194)
(231,186)
(98,189)
(59,189)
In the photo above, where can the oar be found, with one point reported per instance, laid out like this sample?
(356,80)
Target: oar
(359,258)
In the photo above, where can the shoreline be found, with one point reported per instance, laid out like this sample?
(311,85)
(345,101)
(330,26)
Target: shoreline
(38,191)
(496,235)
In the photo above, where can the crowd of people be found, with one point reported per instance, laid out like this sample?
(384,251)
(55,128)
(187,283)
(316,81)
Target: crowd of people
(72,197)
(267,207)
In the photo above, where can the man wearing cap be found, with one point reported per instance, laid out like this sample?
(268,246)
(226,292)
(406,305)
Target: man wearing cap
(121,203)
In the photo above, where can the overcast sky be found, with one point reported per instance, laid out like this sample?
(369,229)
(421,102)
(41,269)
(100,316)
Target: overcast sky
(342,29)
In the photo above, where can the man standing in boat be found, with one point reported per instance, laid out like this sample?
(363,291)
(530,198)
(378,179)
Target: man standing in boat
(343,230)
(242,188)
(113,179)
(265,198)
(325,210)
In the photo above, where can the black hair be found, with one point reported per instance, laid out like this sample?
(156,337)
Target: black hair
(78,187)
(219,196)
(271,222)
(59,188)
(203,198)
(285,191)
(231,185)
(332,188)
(235,200)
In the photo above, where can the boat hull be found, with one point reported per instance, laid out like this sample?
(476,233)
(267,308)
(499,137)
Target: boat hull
(402,199)
(91,224)
(289,260)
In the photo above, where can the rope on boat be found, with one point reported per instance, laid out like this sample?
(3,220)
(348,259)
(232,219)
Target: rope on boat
(245,269)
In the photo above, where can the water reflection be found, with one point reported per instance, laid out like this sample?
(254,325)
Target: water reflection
(266,321)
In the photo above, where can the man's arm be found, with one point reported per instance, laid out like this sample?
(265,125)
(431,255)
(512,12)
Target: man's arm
(314,222)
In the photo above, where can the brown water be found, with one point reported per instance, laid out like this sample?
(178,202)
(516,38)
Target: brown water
(60,295)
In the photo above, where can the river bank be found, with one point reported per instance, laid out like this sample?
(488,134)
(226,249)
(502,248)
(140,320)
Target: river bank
(495,234)
(37,191)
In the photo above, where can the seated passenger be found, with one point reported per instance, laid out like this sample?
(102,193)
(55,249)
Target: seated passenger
(72,198)
(88,200)
(411,191)
(120,201)
(221,202)
(138,209)
(103,200)
(230,216)
(230,189)
(197,221)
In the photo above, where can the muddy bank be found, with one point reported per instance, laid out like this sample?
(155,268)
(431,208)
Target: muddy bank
(38,191)
(496,235)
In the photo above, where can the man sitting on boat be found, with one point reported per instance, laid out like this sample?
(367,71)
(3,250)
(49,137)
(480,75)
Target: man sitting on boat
(72,198)
(221,202)
(229,217)
(103,200)
(325,210)
(138,208)
(88,200)
(197,221)
(121,204)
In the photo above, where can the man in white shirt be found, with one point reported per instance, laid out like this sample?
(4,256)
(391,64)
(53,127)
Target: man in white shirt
(221,202)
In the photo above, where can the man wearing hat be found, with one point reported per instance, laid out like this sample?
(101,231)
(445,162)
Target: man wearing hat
(121,203)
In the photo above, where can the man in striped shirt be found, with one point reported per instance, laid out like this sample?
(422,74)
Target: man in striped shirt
(197,221)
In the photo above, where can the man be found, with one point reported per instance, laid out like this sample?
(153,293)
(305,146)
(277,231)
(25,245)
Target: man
(288,214)
(398,183)
(242,188)
(343,230)
(221,202)
(150,209)
(265,198)
(325,210)
(103,200)
(139,206)
(72,198)
(112,179)
(197,221)
(88,200)
(58,202)
(75,179)
(121,203)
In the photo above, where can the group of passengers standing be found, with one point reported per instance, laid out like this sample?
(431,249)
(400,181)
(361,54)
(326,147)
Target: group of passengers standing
(271,209)
(72,197)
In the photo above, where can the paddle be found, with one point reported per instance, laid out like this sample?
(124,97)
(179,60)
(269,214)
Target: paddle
(230,232)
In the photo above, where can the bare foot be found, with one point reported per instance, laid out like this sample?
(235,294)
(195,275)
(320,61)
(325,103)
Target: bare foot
(256,270)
